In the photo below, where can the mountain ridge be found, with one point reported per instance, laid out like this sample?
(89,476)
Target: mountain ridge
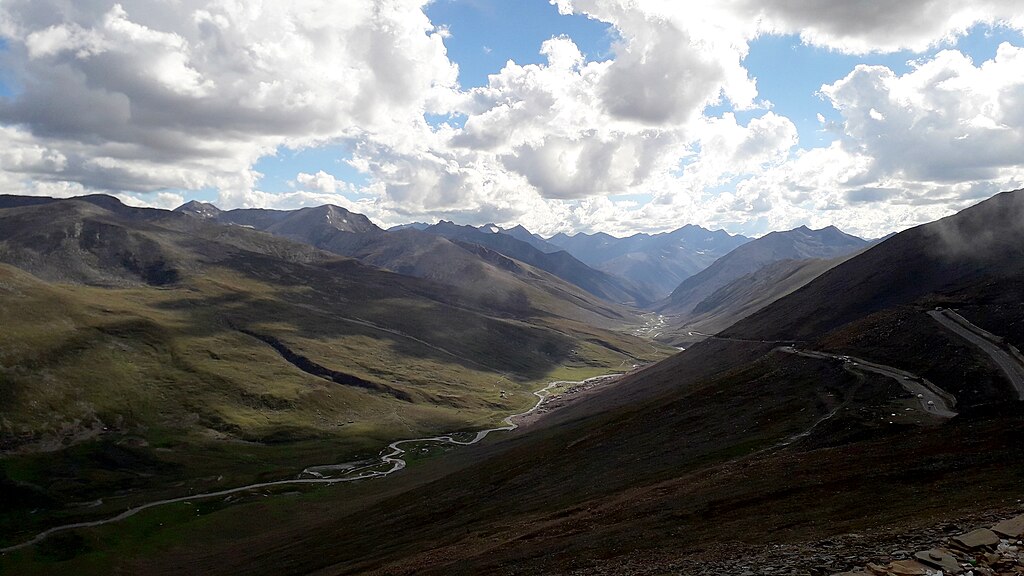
(183,346)
(657,262)
(797,244)
(415,252)
(559,263)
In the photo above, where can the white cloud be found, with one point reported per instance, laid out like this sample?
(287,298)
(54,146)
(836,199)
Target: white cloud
(945,121)
(140,98)
(862,26)
(323,182)
(913,148)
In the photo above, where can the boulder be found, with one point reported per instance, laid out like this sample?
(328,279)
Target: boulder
(1012,528)
(979,538)
(940,559)
(908,568)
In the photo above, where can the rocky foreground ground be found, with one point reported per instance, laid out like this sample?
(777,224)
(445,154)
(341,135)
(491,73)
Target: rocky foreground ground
(989,544)
(995,550)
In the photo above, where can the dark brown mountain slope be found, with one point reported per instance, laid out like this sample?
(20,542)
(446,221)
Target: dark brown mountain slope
(975,256)
(743,297)
(730,446)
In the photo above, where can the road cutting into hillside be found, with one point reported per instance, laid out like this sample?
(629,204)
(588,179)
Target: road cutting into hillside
(934,400)
(988,342)
(391,457)
(730,339)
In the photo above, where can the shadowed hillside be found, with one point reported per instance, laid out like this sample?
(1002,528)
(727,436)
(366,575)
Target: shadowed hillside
(147,352)
(720,447)
(975,256)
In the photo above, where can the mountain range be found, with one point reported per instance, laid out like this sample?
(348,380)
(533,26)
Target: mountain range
(655,262)
(838,388)
(559,262)
(647,266)
(143,349)
(774,436)
(443,252)
(798,244)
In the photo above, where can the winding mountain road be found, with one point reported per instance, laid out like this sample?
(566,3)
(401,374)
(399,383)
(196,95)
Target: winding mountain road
(391,456)
(730,339)
(989,343)
(934,400)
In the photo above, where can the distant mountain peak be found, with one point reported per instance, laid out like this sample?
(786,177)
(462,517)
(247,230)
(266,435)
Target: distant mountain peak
(657,262)
(332,214)
(412,225)
(197,208)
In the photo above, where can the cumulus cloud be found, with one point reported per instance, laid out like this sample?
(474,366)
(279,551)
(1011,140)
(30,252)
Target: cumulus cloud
(945,121)
(149,99)
(913,147)
(862,26)
(323,182)
(142,96)
(664,73)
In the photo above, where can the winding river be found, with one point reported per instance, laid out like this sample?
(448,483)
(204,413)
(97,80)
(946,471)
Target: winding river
(392,456)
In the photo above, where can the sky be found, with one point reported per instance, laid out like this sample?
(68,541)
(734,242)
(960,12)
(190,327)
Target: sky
(620,116)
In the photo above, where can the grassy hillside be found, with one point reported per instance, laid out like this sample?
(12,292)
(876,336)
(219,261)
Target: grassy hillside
(703,464)
(734,444)
(731,445)
(121,383)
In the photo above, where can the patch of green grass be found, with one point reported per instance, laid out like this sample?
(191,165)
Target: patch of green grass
(133,394)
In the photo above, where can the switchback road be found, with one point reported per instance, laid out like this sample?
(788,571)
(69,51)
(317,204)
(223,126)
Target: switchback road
(959,325)
(934,400)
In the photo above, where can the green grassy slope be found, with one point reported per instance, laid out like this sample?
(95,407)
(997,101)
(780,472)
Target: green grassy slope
(729,444)
(121,383)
